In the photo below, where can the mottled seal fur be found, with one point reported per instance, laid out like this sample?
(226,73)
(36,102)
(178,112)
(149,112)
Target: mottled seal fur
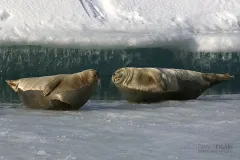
(57,92)
(158,84)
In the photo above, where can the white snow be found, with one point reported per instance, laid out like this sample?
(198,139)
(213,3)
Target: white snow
(118,130)
(195,25)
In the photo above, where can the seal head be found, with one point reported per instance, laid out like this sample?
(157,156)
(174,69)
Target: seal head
(139,84)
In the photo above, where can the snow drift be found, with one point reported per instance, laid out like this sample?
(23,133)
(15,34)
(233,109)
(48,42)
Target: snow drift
(195,25)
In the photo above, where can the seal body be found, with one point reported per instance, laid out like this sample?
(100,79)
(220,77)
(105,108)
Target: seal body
(57,92)
(158,84)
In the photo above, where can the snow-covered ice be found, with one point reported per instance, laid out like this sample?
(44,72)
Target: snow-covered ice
(105,130)
(195,25)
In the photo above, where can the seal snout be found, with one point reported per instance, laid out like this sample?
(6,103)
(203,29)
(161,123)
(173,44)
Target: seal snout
(118,75)
(94,74)
(97,75)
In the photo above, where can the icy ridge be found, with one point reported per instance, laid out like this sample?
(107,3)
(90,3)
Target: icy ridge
(195,25)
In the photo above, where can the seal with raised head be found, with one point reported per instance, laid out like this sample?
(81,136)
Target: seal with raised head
(57,92)
(146,85)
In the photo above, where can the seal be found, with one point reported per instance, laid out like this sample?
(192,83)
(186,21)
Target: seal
(146,85)
(56,92)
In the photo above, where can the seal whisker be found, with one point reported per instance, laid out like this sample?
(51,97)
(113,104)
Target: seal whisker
(99,85)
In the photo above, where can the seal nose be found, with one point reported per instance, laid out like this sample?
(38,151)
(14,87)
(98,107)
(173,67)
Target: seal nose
(97,74)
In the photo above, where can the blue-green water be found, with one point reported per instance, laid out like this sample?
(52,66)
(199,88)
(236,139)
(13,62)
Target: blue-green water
(171,129)
(24,61)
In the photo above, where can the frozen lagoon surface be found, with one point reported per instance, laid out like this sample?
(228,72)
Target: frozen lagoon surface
(104,130)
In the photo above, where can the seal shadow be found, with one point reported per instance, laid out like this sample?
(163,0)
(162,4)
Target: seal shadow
(124,105)
(102,105)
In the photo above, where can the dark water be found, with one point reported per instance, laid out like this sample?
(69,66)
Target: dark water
(24,61)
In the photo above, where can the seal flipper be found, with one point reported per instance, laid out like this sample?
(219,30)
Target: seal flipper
(13,84)
(51,86)
(75,98)
(140,96)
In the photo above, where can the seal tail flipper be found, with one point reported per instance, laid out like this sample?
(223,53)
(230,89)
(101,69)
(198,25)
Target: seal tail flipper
(13,84)
(217,78)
